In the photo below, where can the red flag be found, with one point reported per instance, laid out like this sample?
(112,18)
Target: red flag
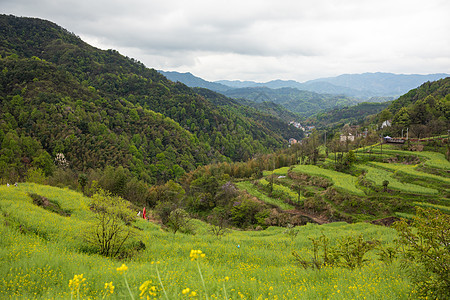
(143,213)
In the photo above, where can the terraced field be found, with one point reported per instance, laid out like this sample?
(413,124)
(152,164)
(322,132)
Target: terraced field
(378,175)
(340,180)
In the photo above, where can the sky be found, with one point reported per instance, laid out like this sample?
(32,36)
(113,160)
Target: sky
(260,40)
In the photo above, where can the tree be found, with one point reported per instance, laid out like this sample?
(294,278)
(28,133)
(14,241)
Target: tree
(426,252)
(82,181)
(179,220)
(110,230)
(385,185)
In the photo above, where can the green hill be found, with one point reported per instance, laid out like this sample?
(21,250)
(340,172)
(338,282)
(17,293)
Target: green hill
(304,103)
(424,110)
(99,108)
(41,251)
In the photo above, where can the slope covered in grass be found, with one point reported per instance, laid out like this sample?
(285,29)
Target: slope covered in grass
(41,251)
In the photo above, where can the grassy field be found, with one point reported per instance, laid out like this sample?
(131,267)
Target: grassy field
(252,190)
(41,251)
(340,180)
(378,175)
(410,170)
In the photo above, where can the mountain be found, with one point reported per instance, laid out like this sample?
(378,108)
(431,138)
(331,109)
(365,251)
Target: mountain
(305,103)
(194,81)
(347,115)
(425,110)
(98,108)
(378,84)
(363,86)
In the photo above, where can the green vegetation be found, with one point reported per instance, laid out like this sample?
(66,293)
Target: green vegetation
(252,190)
(39,263)
(302,102)
(424,110)
(61,96)
(378,175)
(426,253)
(340,180)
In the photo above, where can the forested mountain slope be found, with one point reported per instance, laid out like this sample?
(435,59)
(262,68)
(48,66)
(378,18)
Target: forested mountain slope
(424,110)
(304,103)
(99,108)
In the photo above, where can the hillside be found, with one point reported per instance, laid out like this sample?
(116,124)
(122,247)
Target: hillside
(347,115)
(304,103)
(378,84)
(39,261)
(364,86)
(424,110)
(100,108)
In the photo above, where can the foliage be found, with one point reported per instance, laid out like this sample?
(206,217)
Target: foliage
(425,247)
(179,220)
(340,180)
(52,79)
(111,229)
(424,110)
(39,268)
(35,175)
(351,250)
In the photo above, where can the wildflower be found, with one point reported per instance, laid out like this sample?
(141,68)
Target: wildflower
(147,290)
(185,291)
(74,284)
(193,294)
(109,287)
(196,254)
(123,268)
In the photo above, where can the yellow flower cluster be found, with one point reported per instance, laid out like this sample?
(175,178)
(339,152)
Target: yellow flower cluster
(109,287)
(186,292)
(123,268)
(74,284)
(196,254)
(147,290)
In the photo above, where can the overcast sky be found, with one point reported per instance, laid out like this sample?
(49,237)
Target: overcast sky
(260,40)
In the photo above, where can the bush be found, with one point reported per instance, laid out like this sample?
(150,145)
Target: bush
(426,252)
(110,231)
(179,220)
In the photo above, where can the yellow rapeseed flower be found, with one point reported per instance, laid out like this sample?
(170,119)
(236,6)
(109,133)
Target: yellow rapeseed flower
(74,284)
(196,254)
(193,294)
(147,290)
(109,287)
(123,268)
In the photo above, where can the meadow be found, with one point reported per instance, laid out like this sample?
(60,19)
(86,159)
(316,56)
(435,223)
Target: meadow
(340,180)
(42,251)
(378,175)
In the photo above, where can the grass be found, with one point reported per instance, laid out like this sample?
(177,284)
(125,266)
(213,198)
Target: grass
(433,159)
(340,180)
(410,170)
(39,263)
(252,190)
(445,209)
(281,172)
(377,176)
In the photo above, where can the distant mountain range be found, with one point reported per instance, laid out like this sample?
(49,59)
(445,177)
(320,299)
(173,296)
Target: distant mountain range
(362,86)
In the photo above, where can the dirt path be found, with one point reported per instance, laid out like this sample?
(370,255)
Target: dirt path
(318,219)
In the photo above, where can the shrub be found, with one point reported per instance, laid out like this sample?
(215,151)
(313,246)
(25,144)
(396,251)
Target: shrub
(426,251)
(110,230)
(179,220)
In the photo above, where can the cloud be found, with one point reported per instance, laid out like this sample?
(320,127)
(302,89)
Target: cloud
(261,40)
